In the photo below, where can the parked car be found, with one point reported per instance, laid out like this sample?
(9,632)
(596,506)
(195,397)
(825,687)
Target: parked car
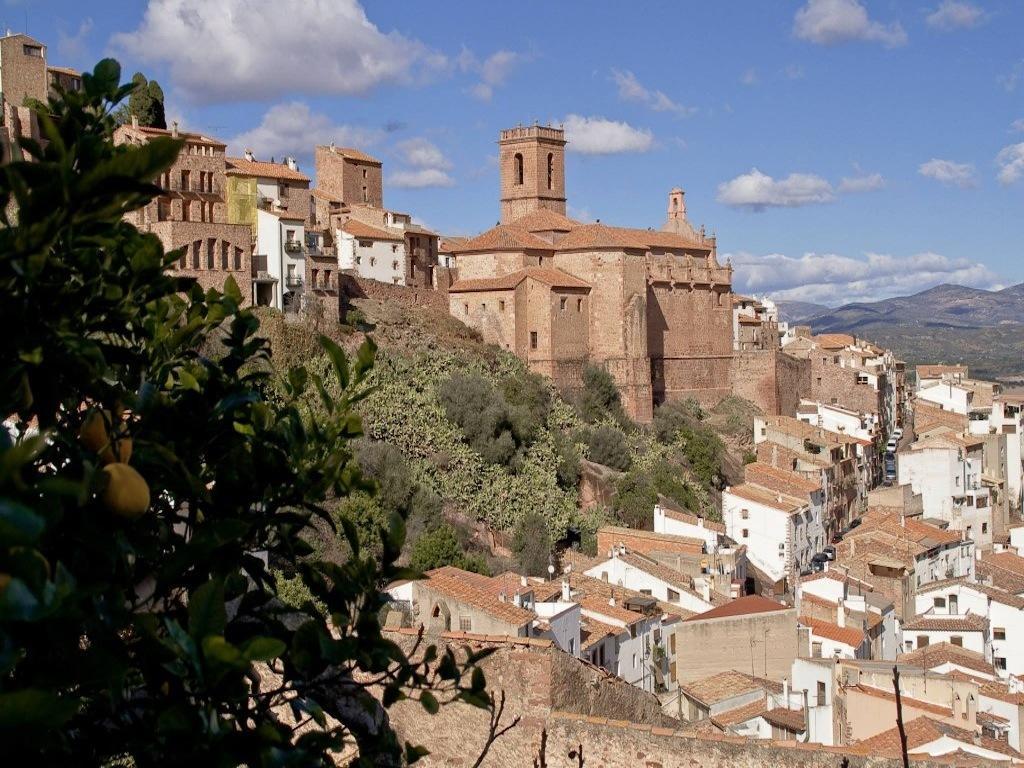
(897,433)
(818,562)
(892,445)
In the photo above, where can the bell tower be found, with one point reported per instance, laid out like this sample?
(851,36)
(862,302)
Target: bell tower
(532,160)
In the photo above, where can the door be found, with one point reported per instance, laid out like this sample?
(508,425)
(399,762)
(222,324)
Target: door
(953,604)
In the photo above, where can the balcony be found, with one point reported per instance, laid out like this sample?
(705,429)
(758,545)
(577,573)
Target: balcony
(293,247)
(293,281)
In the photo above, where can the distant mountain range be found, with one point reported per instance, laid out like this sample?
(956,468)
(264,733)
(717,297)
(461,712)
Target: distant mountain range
(947,323)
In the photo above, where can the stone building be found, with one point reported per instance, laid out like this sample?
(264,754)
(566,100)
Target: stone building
(371,241)
(652,307)
(191,213)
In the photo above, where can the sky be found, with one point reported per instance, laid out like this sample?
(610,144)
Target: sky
(841,150)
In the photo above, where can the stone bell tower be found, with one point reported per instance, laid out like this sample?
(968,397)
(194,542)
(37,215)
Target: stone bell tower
(532,160)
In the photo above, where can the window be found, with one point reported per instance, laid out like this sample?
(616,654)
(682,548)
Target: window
(1000,662)
(373,260)
(32,50)
(998,633)
(185,212)
(465,622)
(561,303)
(210,243)
(984,527)
(394,248)
(359,259)
(746,533)
(956,640)
(366,196)
(238,258)
(313,276)
(646,592)
(533,339)
(922,641)
(579,305)
(673,596)
(327,278)
(634,661)
(501,304)
(465,308)
(551,170)
(394,265)
(744,513)
(816,650)
(223,255)
(822,698)
(185,181)
(364,173)
(483,306)
(939,602)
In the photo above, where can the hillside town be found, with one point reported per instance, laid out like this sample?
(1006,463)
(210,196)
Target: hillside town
(875,527)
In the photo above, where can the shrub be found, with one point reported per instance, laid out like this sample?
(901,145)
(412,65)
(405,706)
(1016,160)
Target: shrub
(703,450)
(670,419)
(441,547)
(600,396)
(568,468)
(531,544)
(635,497)
(606,445)
(218,471)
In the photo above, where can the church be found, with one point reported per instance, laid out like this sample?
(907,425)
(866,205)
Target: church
(652,307)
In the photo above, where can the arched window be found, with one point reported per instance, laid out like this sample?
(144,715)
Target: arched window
(551,170)
(519,169)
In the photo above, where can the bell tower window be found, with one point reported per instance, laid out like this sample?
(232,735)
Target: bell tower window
(551,170)
(518,169)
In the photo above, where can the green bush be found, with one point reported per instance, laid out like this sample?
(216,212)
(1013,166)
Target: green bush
(531,544)
(116,638)
(568,468)
(606,445)
(635,497)
(441,547)
(600,396)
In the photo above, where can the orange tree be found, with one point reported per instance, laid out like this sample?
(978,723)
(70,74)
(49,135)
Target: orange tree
(146,481)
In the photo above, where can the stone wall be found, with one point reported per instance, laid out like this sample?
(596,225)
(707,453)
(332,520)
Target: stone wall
(575,703)
(345,178)
(771,379)
(351,286)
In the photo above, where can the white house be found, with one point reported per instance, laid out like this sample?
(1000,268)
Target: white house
(1003,610)
(1006,418)
(375,253)
(860,606)
(967,630)
(279,258)
(946,469)
(641,574)
(782,533)
(840,420)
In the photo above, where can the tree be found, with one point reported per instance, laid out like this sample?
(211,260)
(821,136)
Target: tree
(145,477)
(607,445)
(600,396)
(531,544)
(441,547)
(146,103)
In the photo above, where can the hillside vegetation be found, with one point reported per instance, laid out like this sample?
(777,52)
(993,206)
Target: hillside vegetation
(472,435)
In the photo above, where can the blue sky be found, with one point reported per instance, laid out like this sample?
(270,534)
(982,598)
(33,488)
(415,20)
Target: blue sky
(841,149)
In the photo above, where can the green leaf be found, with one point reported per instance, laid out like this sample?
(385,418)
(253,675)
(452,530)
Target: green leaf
(19,525)
(35,708)
(33,356)
(263,648)
(217,649)
(338,358)
(232,291)
(206,613)
(365,357)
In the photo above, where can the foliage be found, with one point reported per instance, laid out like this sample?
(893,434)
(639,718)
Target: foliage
(568,467)
(441,547)
(606,445)
(749,457)
(142,638)
(600,397)
(637,492)
(531,544)
(146,103)
(678,424)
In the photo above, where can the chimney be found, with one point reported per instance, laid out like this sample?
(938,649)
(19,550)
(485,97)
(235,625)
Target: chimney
(501,596)
(705,590)
(174,128)
(841,614)
(292,165)
(566,593)
(785,692)
(523,582)
(249,155)
(734,590)
(135,121)
(807,715)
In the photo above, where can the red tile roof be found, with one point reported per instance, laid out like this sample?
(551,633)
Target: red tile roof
(502,238)
(475,590)
(740,715)
(593,631)
(361,230)
(924,730)
(741,606)
(790,719)
(769,498)
(674,513)
(239,166)
(544,220)
(889,696)
(1006,561)
(938,654)
(721,686)
(592,604)
(969,622)
(782,480)
(355,154)
(850,636)
(553,278)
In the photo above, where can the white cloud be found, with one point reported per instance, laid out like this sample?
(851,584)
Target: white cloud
(749,77)
(867,182)
(293,129)
(420,178)
(827,22)
(1017,126)
(1010,80)
(600,136)
(757,191)
(493,71)
(72,48)
(429,166)
(831,278)
(1011,163)
(234,50)
(953,14)
(949,172)
(631,89)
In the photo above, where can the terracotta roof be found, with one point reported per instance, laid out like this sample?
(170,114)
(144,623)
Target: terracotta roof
(593,631)
(448,243)
(65,71)
(671,540)
(553,278)
(938,654)
(935,371)
(741,606)
(995,593)
(676,579)
(510,584)
(1006,561)
(781,480)
(317,192)
(239,166)
(675,513)
(583,585)
(502,238)
(588,236)
(796,428)
(740,715)
(908,701)
(544,220)
(359,229)
(592,604)
(835,340)
(998,690)
(790,719)
(846,635)
(355,154)
(969,622)
(723,685)
(474,589)
(769,498)
(907,528)
(991,719)
(186,135)
(1001,578)
(924,730)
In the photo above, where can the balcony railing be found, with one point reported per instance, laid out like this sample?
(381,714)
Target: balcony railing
(293,281)
(193,186)
(293,246)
